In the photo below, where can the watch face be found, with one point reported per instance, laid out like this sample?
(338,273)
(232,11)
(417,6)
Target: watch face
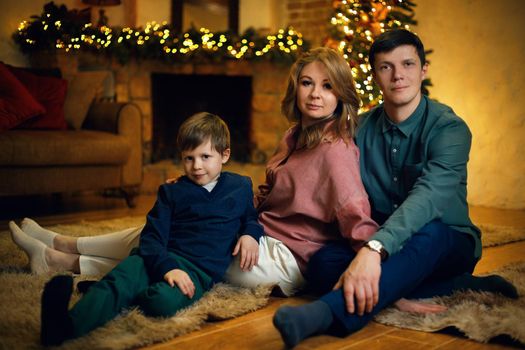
(378,247)
(375,245)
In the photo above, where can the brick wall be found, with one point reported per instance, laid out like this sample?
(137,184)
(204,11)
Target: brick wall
(311,18)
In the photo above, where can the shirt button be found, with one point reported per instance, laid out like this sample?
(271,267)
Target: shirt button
(395,205)
(395,179)
(394,150)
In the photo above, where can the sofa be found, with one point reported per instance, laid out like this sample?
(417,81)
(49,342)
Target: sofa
(103,151)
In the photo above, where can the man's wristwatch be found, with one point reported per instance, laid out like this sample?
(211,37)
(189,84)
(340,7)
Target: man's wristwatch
(377,247)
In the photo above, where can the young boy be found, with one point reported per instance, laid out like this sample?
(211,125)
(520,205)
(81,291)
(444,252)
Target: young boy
(191,233)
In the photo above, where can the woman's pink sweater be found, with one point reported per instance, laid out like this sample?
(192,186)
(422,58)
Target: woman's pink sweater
(313,196)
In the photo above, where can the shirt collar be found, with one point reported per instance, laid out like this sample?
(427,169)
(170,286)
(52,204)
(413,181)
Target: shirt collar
(210,186)
(408,125)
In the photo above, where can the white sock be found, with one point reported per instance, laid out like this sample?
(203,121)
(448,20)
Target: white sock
(38,232)
(35,250)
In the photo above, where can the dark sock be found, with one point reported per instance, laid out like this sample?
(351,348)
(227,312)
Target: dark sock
(83,286)
(299,322)
(491,283)
(56,326)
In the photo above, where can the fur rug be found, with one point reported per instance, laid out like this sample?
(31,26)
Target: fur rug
(20,294)
(479,316)
(20,322)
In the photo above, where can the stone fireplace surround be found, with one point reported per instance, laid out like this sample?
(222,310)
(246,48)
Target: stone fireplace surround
(132,83)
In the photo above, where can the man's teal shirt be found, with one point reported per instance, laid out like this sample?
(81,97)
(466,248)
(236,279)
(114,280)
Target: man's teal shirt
(416,171)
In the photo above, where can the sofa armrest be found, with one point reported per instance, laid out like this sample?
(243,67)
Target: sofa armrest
(124,119)
(105,116)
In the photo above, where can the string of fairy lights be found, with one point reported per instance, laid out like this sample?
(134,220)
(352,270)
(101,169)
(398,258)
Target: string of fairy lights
(158,40)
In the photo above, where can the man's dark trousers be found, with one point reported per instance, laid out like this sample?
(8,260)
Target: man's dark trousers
(429,264)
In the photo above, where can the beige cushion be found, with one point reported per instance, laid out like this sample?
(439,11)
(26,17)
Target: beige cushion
(82,89)
(68,147)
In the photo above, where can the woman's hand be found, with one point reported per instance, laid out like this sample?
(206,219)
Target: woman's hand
(249,249)
(182,280)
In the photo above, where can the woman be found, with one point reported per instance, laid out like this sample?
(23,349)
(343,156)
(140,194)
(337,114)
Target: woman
(313,192)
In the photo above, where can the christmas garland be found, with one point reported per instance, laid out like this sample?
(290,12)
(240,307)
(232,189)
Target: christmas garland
(58,28)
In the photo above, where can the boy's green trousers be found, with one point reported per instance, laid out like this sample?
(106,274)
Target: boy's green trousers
(128,285)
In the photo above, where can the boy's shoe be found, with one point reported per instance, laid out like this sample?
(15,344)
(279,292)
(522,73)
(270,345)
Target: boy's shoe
(56,326)
(83,286)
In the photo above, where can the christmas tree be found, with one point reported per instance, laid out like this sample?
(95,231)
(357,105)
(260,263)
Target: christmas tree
(355,25)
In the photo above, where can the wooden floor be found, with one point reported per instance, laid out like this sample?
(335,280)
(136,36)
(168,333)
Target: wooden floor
(255,330)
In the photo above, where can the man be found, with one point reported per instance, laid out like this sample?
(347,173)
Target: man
(414,155)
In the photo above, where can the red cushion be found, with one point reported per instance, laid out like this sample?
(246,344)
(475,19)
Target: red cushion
(51,93)
(16,102)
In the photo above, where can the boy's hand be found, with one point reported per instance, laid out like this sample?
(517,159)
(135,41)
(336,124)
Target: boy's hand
(249,249)
(182,280)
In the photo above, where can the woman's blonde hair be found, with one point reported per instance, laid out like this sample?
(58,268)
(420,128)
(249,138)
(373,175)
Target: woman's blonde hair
(340,77)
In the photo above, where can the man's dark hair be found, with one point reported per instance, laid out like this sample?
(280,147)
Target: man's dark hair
(388,41)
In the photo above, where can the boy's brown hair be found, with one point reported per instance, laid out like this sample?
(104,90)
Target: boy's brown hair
(200,128)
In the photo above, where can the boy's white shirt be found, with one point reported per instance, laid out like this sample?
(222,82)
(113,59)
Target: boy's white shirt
(211,185)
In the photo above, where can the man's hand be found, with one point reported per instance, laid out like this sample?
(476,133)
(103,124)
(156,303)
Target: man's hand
(360,282)
(419,307)
(249,249)
(182,280)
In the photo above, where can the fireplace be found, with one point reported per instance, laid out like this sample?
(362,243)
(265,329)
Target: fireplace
(246,95)
(175,97)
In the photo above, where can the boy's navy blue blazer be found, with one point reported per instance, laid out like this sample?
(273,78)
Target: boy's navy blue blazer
(200,226)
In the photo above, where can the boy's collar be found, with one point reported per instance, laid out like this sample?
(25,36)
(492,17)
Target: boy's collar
(211,185)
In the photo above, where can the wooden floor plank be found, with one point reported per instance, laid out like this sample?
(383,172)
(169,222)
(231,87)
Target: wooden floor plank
(465,344)
(388,342)
(258,334)
(494,258)
(358,340)
(431,339)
